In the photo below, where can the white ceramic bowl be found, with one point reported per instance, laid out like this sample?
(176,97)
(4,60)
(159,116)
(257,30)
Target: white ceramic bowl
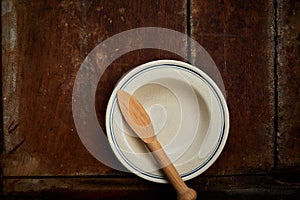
(189,115)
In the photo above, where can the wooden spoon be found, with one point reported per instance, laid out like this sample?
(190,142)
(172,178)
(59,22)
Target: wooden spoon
(140,122)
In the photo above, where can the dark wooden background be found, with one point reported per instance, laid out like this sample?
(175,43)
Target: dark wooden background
(254,43)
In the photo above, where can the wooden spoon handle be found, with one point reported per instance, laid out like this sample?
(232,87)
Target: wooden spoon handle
(183,191)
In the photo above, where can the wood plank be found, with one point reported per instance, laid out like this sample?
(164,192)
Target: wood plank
(288,13)
(241,187)
(50,40)
(239,37)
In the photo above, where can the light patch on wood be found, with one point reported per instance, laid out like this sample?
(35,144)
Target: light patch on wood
(10,75)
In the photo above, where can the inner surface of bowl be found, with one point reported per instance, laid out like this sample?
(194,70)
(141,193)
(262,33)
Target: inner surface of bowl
(187,114)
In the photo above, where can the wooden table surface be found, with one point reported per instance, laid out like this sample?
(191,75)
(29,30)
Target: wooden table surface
(255,45)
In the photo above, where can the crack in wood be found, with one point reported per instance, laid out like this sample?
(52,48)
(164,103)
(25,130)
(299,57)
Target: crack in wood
(17,146)
(13,126)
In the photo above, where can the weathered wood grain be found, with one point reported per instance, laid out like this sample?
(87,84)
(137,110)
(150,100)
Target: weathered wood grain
(288,15)
(231,187)
(43,49)
(239,37)
(45,42)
